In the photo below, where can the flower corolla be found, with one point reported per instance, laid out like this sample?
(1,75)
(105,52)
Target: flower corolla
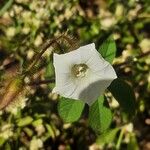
(82,74)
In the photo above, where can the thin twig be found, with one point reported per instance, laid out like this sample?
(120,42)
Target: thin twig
(120,139)
(35,83)
(143,55)
(132,60)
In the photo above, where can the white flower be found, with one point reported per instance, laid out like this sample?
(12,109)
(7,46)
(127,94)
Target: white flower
(82,74)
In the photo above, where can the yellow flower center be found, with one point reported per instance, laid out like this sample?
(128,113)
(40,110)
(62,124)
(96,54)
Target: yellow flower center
(79,70)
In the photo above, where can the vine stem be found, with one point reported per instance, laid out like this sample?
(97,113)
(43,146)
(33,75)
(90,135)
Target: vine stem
(35,83)
(134,58)
(120,139)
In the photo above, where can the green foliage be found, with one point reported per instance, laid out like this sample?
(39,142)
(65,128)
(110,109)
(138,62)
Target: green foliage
(49,69)
(133,143)
(70,110)
(28,131)
(108,49)
(51,131)
(25,25)
(108,136)
(124,94)
(100,115)
(25,121)
(2,140)
(37,122)
(5,7)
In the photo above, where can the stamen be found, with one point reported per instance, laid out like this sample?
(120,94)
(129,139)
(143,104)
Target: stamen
(79,70)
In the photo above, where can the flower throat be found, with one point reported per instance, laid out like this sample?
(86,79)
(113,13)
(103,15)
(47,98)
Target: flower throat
(79,70)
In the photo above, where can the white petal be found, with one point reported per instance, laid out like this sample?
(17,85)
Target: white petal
(96,83)
(64,62)
(107,73)
(86,52)
(61,64)
(96,61)
(90,89)
(80,85)
(64,86)
(65,91)
(62,79)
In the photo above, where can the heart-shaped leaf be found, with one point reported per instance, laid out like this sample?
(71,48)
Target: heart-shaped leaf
(124,94)
(108,136)
(100,115)
(70,110)
(108,49)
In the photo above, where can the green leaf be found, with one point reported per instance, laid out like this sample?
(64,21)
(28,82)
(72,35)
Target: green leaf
(2,141)
(133,143)
(100,116)
(49,73)
(28,131)
(108,49)
(51,130)
(25,121)
(124,94)
(107,137)
(49,69)
(37,122)
(7,5)
(7,146)
(70,110)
